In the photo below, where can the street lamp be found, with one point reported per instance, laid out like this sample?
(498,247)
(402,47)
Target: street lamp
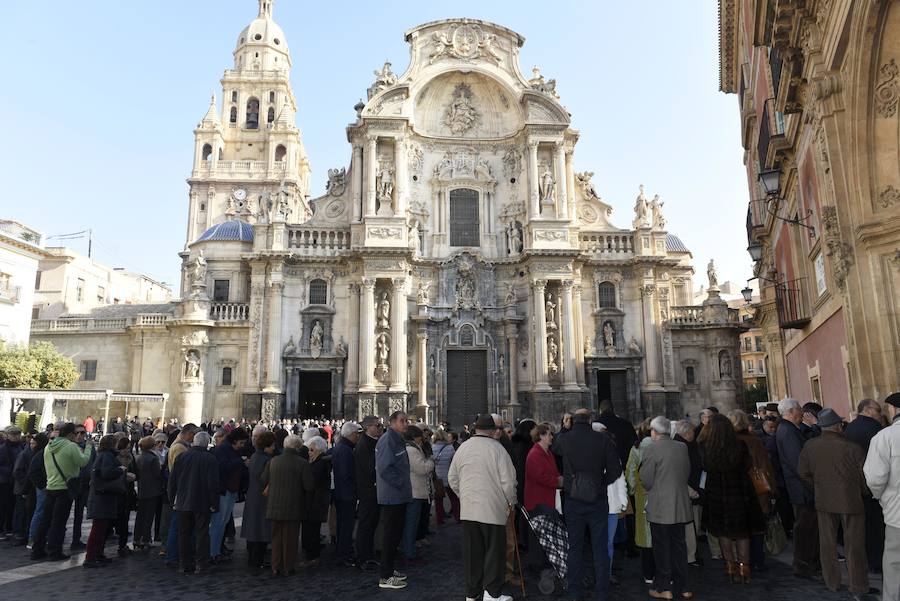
(755,250)
(747,293)
(771,182)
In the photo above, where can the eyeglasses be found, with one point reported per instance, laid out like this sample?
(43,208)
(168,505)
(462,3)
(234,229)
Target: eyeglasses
(80,433)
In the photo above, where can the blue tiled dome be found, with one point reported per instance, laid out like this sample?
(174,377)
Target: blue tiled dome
(235,230)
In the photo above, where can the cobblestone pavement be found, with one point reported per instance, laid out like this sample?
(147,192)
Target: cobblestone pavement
(440,578)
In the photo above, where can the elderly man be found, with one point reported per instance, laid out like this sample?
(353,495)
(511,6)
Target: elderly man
(182,443)
(789,439)
(484,478)
(590,464)
(194,493)
(233,480)
(684,433)
(665,471)
(833,467)
(882,471)
(861,431)
(343,468)
(394,490)
(367,511)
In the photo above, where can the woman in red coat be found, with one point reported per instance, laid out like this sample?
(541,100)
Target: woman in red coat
(542,479)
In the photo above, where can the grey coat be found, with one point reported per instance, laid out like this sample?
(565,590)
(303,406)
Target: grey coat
(665,470)
(256,528)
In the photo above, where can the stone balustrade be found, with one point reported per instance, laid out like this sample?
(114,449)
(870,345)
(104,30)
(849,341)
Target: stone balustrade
(607,244)
(229,311)
(90,324)
(318,241)
(697,315)
(152,319)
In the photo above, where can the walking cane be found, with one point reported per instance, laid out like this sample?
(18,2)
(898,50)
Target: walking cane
(518,558)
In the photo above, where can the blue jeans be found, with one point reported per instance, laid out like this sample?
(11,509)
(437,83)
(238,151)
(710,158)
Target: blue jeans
(218,521)
(40,494)
(612,522)
(410,528)
(582,518)
(172,538)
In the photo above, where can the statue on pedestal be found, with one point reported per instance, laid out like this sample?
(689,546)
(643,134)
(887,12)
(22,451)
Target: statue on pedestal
(641,210)
(383,313)
(315,339)
(659,222)
(382,352)
(198,272)
(551,317)
(192,365)
(711,274)
(546,185)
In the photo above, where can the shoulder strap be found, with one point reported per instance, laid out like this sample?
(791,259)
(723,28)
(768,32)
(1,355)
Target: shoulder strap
(53,457)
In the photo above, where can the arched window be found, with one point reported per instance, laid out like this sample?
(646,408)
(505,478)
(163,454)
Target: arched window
(467,336)
(607,292)
(280,152)
(232,118)
(689,376)
(318,292)
(234,95)
(226,376)
(272,97)
(252,114)
(464,227)
(207,151)
(270,116)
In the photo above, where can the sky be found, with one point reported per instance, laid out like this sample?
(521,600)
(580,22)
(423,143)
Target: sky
(102,96)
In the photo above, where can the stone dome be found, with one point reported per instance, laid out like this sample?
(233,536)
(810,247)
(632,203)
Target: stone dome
(234,230)
(263,31)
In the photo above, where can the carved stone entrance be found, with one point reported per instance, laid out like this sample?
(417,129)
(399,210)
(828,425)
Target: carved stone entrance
(314,395)
(467,387)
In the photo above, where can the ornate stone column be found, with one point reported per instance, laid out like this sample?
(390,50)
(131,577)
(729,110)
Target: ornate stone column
(353,358)
(651,344)
(273,343)
(401,185)
(371,168)
(399,319)
(540,330)
(570,184)
(422,403)
(569,342)
(290,392)
(512,365)
(534,197)
(366,336)
(356,184)
(579,335)
(562,209)
(257,321)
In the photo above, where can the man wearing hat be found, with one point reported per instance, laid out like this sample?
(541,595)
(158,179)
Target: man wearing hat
(483,477)
(882,470)
(367,511)
(833,466)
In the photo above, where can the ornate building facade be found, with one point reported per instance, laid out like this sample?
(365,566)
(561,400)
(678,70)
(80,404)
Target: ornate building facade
(819,92)
(459,264)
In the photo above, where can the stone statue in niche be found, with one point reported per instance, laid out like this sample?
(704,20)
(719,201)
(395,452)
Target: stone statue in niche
(383,313)
(384,185)
(711,274)
(546,184)
(198,272)
(609,335)
(514,238)
(641,210)
(466,297)
(315,339)
(725,368)
(510,295)
(552,355)
(289,348)
(634,347)
(551,312)
(501,364)
(192,365)
(659,222)
(382,352)
(414,242)
(461,115)
(422,293)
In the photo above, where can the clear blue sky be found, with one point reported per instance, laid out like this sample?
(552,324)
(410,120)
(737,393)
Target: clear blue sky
(101,97)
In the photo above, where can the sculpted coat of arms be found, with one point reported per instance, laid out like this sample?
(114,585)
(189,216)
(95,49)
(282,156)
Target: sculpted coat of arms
(465,42)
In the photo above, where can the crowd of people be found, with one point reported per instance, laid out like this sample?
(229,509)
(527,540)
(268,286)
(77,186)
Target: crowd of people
(740,483)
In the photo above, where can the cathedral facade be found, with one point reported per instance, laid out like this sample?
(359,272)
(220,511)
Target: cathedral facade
(459,264)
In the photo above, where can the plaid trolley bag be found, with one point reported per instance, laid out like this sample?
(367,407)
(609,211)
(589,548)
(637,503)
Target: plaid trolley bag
(550,532)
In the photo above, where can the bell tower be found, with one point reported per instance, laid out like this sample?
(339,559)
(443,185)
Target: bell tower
(251,147)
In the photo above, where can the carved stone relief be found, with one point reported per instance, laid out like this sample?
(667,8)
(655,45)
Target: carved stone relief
(337,181)
(464,42)
(887,91)
(460,116)
(888,196)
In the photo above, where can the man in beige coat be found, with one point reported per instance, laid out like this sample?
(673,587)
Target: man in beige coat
(483,477)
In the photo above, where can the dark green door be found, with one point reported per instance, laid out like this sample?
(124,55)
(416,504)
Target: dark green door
(466,387)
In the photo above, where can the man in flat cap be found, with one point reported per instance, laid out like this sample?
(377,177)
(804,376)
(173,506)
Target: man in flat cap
(882,470)
(832,465)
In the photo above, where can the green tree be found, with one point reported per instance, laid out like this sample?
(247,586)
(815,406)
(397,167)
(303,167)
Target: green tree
(37,366)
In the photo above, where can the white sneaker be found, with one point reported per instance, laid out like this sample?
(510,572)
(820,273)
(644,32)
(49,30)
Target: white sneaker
(391,583)
(488,597)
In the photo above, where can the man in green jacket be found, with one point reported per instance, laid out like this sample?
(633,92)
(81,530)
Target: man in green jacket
(63,460)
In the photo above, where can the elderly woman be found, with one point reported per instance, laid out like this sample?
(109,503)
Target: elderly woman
(106,495)
(542,478)
(642,538)
(256,529)
(421,469)
(731,507)
(150,490)
(287,479)
(764,473)
(443,456)
(318,499)
(126,460)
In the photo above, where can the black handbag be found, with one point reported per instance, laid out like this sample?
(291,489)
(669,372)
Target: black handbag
(584,487)
(73,485)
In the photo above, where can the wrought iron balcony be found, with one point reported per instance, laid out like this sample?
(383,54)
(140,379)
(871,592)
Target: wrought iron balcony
(790,300)
(771,127)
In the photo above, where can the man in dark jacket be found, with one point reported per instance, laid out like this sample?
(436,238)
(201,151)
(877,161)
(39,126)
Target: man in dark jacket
(194,494)
(21,488)
(394,492)
(621,429)
(343,467)
(790,440)
(590,464)
(833,465)
(233,480)
(684,433)
(810,424)
(10,447)
(861,431)
(367,511)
